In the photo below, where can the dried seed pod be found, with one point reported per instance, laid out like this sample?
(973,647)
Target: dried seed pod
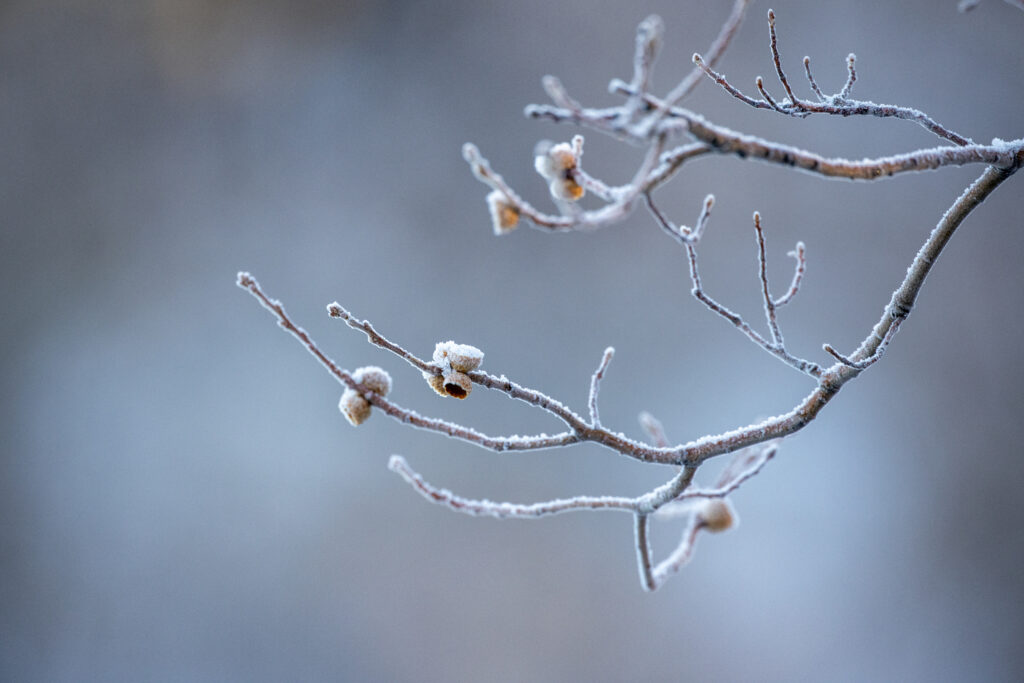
(716,515)
(354,407)
(457,384)
(504,214)
(460,357)
(436,383)
(373,378)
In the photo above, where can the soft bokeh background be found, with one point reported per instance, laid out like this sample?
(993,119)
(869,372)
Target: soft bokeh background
(180,499)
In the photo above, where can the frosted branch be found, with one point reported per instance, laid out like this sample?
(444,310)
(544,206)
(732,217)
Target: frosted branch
(799,253)
(489,508)
(595,385)
(836,105)
(655,430)
(689,239)
(656,122)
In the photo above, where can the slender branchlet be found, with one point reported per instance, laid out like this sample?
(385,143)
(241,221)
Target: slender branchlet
(838,104)
(595,385)
(673,138)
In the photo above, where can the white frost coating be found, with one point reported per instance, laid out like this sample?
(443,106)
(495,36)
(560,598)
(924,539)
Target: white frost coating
(556,161)
(373,378)
(459,357)
(557,165)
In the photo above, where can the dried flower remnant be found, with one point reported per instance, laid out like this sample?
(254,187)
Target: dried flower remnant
(454,362)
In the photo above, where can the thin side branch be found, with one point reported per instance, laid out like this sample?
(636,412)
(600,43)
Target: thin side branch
(489,508)
(689,239)
(839,104)
(595,385)
(800,254)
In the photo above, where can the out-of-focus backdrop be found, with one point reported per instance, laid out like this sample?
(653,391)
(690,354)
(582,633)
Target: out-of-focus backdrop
(180,499)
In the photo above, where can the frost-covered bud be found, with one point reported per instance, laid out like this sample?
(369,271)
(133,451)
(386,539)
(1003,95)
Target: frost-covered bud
(566,188)
(436,382)
(716,515)
(457,384)
(354,407)
(373,378)
(555,161)
(504,214)
(557,165)
(461,357)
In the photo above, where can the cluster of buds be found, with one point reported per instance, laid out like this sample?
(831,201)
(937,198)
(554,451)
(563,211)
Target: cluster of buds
(504,214)
(716,515)
(557,164)
(455,362)
(353,406)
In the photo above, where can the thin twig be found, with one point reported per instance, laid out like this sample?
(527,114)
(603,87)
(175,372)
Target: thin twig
(655,430)
(811,81)
(762,266)
(504,510)
(595,385)
(799,253)
(851,78)
(874,357)
(774,347)
(775,58)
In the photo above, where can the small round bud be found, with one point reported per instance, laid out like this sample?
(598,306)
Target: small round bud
(457,384)
(504,214)
(354,407)
(460,357)
(373,378)
(716,515)
(436,383)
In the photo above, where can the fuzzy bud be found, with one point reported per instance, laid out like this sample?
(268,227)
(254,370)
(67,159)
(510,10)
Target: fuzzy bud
(504,214)
(373,378)
(354,407)
(716,515)
(457,384)
(461,357)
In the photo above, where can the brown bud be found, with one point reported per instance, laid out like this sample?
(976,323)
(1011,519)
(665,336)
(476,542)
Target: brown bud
(716,515)
(354,407)
(373,378)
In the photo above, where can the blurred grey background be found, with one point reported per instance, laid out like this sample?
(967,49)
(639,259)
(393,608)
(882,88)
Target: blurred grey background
(182,501)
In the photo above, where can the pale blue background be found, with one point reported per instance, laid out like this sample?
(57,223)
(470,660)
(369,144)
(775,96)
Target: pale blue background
(180,499)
